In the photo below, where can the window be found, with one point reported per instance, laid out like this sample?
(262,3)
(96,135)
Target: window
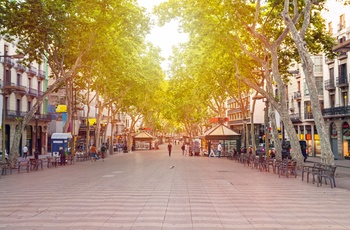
(331,74)
(319,85)
(330,28)
(18,79)
(342,22)
(318,64)
(332,101)
(342,71)
(306,89)
(18,107)
(345,98)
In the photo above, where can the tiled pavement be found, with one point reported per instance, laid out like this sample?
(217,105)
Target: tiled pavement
(140,190)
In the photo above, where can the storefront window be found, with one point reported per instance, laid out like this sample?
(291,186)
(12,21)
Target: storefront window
(346,139)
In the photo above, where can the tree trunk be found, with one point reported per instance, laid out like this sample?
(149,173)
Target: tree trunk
(327,156)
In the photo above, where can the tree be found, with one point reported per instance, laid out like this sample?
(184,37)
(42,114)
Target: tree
(255,31)
(300,37)
(67,34)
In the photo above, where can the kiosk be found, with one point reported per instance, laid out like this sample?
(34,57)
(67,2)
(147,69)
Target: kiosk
(60,140)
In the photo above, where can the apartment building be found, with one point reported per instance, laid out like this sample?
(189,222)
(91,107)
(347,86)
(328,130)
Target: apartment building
(299,104)
(237,120)
(21,86)
(336,75)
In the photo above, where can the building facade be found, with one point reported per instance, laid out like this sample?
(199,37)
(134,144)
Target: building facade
(336,74)
(299,104)
(237,120)
(21,86)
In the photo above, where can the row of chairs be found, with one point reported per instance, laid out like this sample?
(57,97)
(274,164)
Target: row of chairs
(320,173)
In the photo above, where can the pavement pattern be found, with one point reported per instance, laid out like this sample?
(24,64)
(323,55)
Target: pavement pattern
(141,190)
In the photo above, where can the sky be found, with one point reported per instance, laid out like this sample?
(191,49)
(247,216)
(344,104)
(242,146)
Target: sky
(164,37)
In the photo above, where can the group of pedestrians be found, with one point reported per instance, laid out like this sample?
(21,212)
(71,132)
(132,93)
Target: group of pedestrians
(94,153)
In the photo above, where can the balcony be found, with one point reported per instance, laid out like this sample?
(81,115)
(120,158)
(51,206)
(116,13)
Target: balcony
(297,95)
(33,92)
(20,68)
(343,46)
(308,116)
(336,111)
(9,62)
(14,114)
(329,84)
(14,88)
(295,118)
(31,71)
(41,74)
(342,81)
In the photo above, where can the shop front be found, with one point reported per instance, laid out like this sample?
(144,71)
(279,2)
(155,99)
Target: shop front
(229,139)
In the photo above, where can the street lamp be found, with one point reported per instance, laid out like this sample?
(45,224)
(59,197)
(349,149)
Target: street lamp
(36,152)
(266,120)
(3,93)
(125,140)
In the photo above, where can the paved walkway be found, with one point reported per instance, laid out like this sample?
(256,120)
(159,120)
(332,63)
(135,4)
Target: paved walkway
(141,190)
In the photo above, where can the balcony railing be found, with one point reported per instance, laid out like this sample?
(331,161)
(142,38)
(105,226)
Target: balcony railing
(15,114)
(20,68)
(31,71)
(297,95)
(308,116)
(12,114)
(33,92)
(329,84)
(342,81)
(41,74)
(340,110)
(9,62)
(295,118)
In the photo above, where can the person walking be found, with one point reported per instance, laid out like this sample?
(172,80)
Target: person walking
(219,149)
(183,149)
(93,153)
(169,148)
(62,155)
(25,151)
(103,152)
(186,149)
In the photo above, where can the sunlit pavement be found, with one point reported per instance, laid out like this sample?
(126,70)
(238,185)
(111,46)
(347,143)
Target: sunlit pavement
(141,190)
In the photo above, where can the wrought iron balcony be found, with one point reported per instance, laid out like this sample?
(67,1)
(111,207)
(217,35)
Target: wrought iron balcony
(9,62)
(14,114)
(31,71)
(336,111)
(297,95)
(295,118)
(41,74)
(342,81)
(20,68)
(33,92)
(329,84)
(308,116)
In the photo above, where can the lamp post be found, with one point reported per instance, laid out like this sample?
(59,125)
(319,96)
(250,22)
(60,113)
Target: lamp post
(125,140)
(266,120)
(73,132)
(4,106)
(36,152)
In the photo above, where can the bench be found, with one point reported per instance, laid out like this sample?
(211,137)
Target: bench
(51,161)
(70,159)
(287,167)
(35,163)
(23,164)
(327,173)
(6,166)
